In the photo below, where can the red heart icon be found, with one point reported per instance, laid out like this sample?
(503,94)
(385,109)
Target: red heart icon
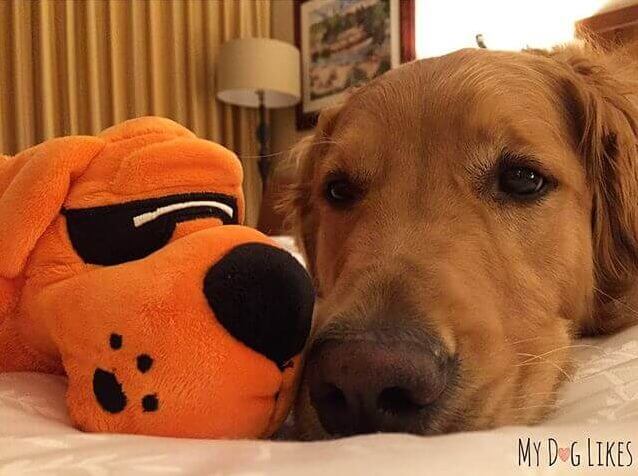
(563,453)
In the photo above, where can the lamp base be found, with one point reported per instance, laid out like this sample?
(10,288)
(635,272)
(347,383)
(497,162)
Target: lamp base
(264,169)
(262,137)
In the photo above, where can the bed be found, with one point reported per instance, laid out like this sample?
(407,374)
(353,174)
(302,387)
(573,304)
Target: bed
(594,431)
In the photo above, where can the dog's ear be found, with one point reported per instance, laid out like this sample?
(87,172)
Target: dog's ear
(297,202)
(602,92)
(33,186)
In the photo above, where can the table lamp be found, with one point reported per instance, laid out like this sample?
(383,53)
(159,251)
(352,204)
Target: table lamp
(259,73)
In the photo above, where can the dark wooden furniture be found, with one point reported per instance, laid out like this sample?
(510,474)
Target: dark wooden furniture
(271,219)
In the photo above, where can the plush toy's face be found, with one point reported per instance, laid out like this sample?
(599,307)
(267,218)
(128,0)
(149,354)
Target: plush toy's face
(166,322)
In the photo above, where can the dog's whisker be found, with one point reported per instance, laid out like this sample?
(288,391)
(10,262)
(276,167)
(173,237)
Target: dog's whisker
(514,343)
(566,347)
(546,404)
(553,364)
(288,151)
(274,154)
(524,340)
(618,301)
(528,394)
(537,356)
(551,406)
(543,360)
(518,413)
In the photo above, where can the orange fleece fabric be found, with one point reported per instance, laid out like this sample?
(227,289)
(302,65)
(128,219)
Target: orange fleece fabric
(124,266)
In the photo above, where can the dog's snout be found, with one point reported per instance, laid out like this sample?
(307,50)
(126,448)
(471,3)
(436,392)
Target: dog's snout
(264,298)
(362,386)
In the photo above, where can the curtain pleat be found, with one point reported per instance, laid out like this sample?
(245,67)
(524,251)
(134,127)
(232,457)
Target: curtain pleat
(79,66)
(119,38)
(22,48)
(7,129)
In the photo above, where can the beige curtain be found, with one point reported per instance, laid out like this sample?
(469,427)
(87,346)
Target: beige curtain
(79,66)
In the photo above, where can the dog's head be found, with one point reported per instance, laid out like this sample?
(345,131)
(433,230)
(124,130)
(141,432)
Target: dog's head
(463,218)
(121,276)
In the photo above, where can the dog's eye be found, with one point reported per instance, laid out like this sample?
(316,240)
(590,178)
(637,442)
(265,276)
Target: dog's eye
(340,192)
(521,182)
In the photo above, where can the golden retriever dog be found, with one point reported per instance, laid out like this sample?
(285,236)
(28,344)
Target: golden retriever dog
(465,218)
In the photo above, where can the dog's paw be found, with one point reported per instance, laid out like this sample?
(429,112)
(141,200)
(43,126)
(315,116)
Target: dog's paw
(109,391)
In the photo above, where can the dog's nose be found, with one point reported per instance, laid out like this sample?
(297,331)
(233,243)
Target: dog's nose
(264,298)
(361,386)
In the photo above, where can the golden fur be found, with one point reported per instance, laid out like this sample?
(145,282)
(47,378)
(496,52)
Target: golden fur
(507,287)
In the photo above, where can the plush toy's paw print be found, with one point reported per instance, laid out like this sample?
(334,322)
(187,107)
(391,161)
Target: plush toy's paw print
(108,390)
(150,403)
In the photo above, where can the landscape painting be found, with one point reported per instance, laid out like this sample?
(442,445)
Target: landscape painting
(345,43)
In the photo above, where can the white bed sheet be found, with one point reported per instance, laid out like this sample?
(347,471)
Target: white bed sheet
(600,404)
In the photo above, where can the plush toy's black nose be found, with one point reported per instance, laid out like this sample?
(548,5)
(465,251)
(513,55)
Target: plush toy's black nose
(264,298)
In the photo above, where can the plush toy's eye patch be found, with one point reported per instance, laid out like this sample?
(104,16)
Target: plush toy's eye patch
(115,234)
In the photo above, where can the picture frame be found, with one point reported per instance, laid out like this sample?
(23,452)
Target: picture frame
(345,43)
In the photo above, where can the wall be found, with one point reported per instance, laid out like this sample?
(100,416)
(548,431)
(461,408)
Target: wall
(615,4)
(283,128)
(447,25)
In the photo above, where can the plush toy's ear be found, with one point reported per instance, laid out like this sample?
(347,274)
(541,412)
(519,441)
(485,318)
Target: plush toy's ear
(33,186)
(601,92)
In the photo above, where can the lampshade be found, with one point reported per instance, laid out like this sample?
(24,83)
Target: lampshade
(248,65)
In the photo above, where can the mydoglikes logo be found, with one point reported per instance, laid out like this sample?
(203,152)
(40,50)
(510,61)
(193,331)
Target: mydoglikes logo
(588,453)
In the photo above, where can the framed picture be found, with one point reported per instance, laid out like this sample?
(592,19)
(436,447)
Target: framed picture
(345,43)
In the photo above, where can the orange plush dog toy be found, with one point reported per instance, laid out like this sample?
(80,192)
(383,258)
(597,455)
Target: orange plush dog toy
(123,266)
